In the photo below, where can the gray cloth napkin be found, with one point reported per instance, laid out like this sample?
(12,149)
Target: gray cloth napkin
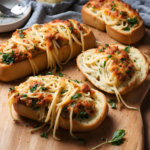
(71,9)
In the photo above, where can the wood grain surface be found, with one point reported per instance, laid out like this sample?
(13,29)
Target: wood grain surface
(16,136)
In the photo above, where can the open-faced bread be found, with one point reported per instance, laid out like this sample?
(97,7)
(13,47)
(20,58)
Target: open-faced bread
(43,46)
(119,19)
(114,68)
(60,102)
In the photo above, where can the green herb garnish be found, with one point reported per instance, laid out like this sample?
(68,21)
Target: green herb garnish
(49,73)
(71,30)
(7,59)
(106,45)
(83,115)
(44,134)
(33,88)
(79,139)
(43,88)
(20,31)
(64,108)
(72,105)
(109,56)
(132,21)
(116,139)
(76,96)
(76,81)
(60,74)
(22,35)
(102,138)
(113,7)
(104,63)
(24,95)
(11,89)
(128,71)
(127,48)
(99,50)
(33,103)
(122,13)
(126,29)
(112,103)
(64,91)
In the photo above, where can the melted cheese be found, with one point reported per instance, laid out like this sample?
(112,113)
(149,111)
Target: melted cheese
(114,13)
(44,38)
(98,66)
(54,105)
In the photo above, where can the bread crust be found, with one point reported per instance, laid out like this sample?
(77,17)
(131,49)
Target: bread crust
(64,122)
(23,68)
(92,20)
(122,36)
(132,84)
(127,37)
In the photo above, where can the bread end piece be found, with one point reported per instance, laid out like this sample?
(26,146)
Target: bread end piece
(65,122)
(85,127)
(126,37)
(92,20)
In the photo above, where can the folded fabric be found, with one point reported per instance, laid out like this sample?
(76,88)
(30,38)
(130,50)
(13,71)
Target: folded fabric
(71,9)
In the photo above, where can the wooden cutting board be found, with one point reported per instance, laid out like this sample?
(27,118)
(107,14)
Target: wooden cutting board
(16,136)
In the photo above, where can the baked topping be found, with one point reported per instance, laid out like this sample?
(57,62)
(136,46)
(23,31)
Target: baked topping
(41,39)
(121,65)
(116,13)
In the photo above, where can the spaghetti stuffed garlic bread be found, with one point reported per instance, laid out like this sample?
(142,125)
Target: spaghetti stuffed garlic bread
(43,46)
(59,102)
(119,19)
(115,69)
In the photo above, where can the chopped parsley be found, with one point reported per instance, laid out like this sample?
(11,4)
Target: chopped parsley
(72,105)
(60,74)
(22,35)
(49,73)
(99,50)
(113,7)
(7,59)
(132,21)
(76,96)
(112,103)
(104,63)
(127,48)
(64,91)
(102,138)
(79,139)
(43,88)
(24,95)
(126,29)
(122,13)
(44,134)
(106,45)
(71,30)
(11,89)
(20,31)
(33,103)
(12,53)
(128,71)
(99,71)
(83,115)
(76,81)
(109,56)
(33,88)
(64,108)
